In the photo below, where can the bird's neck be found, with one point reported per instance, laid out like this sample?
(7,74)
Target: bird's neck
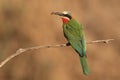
(65,19)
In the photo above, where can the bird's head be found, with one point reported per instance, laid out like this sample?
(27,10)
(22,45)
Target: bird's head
(66,16)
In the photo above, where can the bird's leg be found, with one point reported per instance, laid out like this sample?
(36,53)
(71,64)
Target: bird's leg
(67,44)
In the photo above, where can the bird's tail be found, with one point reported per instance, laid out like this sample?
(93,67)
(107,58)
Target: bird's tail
(84,65)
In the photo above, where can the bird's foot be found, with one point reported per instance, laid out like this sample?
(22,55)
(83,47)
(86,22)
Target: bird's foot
(68,44)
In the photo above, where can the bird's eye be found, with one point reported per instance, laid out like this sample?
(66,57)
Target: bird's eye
(67,15)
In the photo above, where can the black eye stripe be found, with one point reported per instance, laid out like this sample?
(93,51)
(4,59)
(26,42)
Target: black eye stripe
(67,15)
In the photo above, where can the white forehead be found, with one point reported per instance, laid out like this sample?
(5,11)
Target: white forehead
(65,12)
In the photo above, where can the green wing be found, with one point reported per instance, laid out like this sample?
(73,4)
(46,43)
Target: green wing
(73,31)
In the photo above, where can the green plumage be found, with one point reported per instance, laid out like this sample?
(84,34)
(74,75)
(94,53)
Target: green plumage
(73,31)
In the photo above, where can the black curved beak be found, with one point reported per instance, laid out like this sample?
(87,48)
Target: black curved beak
(57,13)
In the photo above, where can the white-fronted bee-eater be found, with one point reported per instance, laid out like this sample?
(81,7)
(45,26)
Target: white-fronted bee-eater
(73,32)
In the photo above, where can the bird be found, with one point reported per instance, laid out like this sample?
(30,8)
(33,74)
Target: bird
(73,32)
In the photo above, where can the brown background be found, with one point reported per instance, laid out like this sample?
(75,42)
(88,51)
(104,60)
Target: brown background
(27,23)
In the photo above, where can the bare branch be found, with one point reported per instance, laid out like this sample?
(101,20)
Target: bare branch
(21,50)
(100,41)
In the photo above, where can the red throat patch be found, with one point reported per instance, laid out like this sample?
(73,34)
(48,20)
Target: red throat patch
(65,19)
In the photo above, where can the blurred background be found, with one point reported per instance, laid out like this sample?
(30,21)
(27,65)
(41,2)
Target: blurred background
(27,23)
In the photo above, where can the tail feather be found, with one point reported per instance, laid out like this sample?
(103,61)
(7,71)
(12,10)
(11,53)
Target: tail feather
(84,65)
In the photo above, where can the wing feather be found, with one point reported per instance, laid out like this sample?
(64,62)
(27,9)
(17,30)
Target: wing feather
(73,31)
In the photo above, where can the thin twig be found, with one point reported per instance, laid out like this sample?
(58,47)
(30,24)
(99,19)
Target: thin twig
(100,41)
(21,50)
